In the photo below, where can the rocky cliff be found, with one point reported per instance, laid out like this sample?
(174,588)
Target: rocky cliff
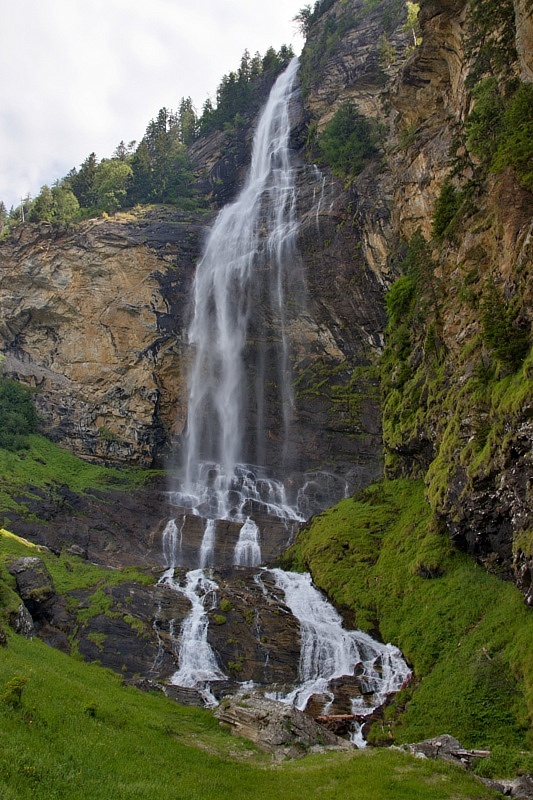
(95,316)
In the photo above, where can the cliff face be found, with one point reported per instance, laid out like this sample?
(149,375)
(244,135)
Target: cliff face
(472,437)
(95,316)
(456,404)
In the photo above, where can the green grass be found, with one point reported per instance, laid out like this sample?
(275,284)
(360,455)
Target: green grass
(68,572)
(46,466)
(79,734)
(468,635)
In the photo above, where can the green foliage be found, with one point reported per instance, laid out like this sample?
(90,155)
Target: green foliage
(348,141)
(491,44)
(44,464)
(240,93)
(58,205)
(412,25)
(399,299)
(446,207)
(485,120)
(505,338)
(17,415)
(226,605)
(308,15)
(110,184)
(161,169)
(514,146)
(468,636)
(180,752)
(500,129)
(12,694)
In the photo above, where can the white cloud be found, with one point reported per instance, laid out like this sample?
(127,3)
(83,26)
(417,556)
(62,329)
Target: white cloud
(80,75)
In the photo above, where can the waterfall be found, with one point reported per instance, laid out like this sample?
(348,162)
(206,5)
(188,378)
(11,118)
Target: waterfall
(197,662)
(327,651)
(172,536)
(207,548)
(245,299)
(244,269)
(248,550)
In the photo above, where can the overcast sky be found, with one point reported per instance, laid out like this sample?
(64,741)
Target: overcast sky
(78,76)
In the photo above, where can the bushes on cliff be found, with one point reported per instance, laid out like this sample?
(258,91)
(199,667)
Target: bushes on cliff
(499,129)
(17,415)
(348,141)
(505,338)
(514,147)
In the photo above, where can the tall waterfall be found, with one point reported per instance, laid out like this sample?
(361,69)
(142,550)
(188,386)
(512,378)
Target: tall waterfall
(246,295)
(244,269)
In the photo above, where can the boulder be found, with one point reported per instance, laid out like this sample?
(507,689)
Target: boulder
(21,621)
(34,585)
(276,727)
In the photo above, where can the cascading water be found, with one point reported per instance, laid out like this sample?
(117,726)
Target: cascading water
(244,269)
(197,663)
(329,652)
(248,550)
(207,548)
(172,542)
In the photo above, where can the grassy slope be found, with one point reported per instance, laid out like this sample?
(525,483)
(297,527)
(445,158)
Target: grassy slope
(468,635)
(85,734)
(44,465)
(80,733)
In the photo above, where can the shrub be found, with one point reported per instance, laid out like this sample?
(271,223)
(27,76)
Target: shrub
(507,340)
(12,694)
(514,147)
(348,141)
(446,207)
(17,415)
(485,119)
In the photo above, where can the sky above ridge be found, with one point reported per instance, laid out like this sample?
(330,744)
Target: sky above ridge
(78,76)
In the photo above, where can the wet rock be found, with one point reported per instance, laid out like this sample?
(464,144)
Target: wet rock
(34,585)
(110,527)
(260,638)
(22,622)
(276,727)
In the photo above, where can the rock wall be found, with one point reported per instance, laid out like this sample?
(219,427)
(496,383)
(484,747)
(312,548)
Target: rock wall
(93,317)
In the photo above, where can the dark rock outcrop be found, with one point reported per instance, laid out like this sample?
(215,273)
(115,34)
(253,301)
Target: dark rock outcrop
(34,585)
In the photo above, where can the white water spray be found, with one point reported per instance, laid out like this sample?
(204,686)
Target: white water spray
(248,550)
(172,540)
(207,548)
(327,651)
(246,258)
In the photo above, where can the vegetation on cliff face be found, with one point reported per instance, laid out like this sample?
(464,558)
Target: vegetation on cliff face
(348,142)
(457,383)
(42,466)
(326,24)
(17,415)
